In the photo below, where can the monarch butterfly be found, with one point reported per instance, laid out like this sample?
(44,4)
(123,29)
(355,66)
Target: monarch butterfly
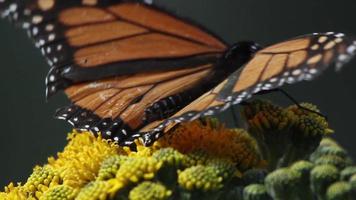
(132,69)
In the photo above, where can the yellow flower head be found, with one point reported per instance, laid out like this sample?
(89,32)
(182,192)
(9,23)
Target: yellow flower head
(205,178)
(41,179)
(169,156)
(13,191)
(95,190)
(80,161)
(263,116)
(60,192)
(110,166)
(308,122)
(134,170)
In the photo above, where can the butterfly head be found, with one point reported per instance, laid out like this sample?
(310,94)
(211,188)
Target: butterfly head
(240,53)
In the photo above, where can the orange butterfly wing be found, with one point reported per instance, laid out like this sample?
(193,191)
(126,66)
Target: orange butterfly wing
(117,60)
(118,106)
(295,60)
(86,40)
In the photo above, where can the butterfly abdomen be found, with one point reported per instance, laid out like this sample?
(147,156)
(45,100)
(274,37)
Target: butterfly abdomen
(168,106)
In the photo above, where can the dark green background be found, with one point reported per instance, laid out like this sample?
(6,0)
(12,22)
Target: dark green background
(29,134)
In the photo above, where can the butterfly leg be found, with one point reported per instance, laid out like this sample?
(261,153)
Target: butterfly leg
(291,99)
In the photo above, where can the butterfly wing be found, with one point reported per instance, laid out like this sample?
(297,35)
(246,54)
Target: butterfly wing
(117,107)
(121,63)
(85,40)
(295,60)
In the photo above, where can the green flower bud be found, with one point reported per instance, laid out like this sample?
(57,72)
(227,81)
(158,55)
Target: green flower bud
(196,158)
(337,161)
(41,179)
(284,184)
(347,173)
(304,168)
(224,168)
(321,177)
(95,190)
(327,141)
(110,166)
(339,191)
(200,178)
(149,191)
(60,192)
(328,150)
(255,192)
(138,168)
(169,156)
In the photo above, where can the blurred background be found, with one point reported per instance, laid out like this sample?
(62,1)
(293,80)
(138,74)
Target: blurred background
(29,134)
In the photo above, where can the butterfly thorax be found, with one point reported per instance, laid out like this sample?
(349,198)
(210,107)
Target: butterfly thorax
(238,55)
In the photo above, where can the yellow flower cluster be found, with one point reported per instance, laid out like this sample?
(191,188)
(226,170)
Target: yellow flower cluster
(89,167)
(134,170)
(60,192)
(284,135)
(41,179)
(201,160)
(95,190)
(80,161)
(73,168)
(200,178)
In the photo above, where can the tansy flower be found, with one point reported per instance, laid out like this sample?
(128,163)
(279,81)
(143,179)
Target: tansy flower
(328,150)
(200,177)
(110,166)
(40,180)
(15,192)
(340,191)
(170,156)
(202,160)
(60,192)
(322,177)
(80,161)
(256,192)
(347,173)
(134,170)
(304,168)
(336,161)
(95,190)
(284,135)
(149,191)
(214,140)
(284,184)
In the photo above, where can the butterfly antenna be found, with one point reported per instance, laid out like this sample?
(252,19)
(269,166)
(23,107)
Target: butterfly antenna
(297,103)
